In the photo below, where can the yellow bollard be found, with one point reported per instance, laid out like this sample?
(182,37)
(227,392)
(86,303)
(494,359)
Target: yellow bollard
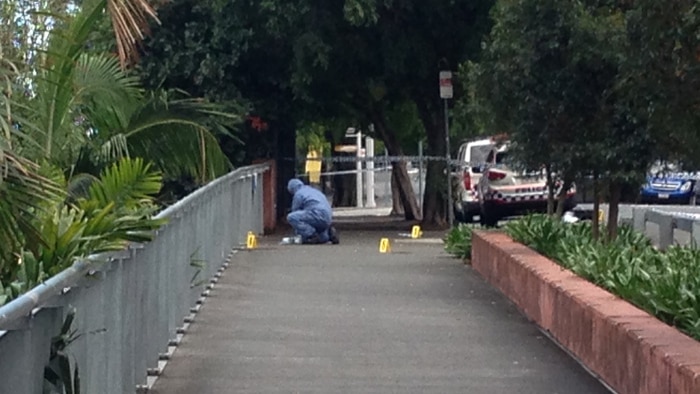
(384,246)
(416,232)
(251,241)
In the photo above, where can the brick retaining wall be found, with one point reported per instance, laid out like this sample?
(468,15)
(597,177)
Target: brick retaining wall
(629,349)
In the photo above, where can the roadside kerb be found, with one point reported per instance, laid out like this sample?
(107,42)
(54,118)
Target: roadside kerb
(629,349)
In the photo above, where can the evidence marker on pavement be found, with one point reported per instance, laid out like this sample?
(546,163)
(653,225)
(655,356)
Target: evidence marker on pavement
(384,245)
(416,232)
(251,241)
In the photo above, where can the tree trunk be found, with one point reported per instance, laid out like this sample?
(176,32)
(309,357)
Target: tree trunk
(613,209)
(435,197)
(396,204)
(398,168)
(550,189)
(596,207)
(561,200)
(285,155)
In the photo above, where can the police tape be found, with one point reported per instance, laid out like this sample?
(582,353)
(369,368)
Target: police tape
(350,172)
(383,160)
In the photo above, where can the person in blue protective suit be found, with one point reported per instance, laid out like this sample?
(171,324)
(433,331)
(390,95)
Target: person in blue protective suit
(311,215)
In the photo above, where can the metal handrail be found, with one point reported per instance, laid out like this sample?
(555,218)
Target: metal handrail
(23,305)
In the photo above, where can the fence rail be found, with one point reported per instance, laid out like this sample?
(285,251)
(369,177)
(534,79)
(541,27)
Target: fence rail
(664,225)
(668,225)
(130,305)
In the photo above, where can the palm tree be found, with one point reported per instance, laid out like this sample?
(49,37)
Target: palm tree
(23,188)
(78,103)
(87,106)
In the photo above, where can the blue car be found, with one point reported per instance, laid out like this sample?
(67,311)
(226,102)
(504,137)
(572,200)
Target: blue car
(670,188)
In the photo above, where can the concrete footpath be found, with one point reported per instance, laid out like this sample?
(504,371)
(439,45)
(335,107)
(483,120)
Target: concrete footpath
(346,319)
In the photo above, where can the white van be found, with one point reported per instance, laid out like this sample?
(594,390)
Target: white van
(471,160)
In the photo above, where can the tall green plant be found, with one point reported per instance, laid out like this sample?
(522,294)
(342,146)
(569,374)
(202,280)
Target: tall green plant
(458,241)
(59,376)
(118,210)
(86,106)
(665,284)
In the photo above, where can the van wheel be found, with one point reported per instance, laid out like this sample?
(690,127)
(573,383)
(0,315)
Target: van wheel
(487,219)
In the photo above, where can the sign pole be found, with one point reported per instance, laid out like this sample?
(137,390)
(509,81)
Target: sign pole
(447,93)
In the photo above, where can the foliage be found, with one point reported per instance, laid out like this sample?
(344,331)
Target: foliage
(458,241)
(58,377)
(664,284)
(665,73)
(372,62)
(88,112)
(312,136)
(558,77)
(76,130)
(117,210)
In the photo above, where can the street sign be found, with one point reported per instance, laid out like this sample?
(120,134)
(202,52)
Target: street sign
(445,84)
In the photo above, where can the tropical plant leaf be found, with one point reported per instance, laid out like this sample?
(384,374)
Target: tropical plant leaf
(177,134)
(128,184)
(130,21)
(22,193)
(105,93)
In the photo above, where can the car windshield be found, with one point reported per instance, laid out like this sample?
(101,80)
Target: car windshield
(668,169)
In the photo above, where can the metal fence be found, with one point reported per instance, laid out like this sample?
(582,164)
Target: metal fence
(664,225)
(130,306)
(668,225)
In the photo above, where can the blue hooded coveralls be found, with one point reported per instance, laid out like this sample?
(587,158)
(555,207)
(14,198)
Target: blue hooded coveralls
(311,213)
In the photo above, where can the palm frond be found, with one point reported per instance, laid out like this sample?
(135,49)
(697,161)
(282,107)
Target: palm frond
(179,135)
(55,85)
(130,21)
(23,194)
(115,148)
(127,184)
(106,94)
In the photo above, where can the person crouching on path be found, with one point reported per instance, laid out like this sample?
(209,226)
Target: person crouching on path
(311,215)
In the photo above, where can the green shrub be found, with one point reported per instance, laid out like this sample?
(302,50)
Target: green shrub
(458,241)
(665,284)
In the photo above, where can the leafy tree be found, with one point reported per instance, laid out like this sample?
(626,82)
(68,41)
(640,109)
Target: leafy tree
(555,75)
(664,71)
(319,60)
(229,51)
(74,104)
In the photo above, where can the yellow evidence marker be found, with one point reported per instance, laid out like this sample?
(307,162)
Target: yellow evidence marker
(416,232)
(251,241)
(384,246)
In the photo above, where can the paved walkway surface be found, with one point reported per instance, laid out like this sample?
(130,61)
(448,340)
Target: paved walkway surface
(346,319)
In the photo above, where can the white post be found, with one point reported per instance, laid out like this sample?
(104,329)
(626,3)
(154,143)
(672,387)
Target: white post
(358,190)
(369,179)
(420,175)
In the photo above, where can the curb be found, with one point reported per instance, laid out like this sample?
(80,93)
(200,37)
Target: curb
(629,349)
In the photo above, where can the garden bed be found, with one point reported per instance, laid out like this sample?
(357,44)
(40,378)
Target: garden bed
(629,349)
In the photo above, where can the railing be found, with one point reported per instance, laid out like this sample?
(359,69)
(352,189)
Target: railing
(130,307)
(664,225)
(668,225)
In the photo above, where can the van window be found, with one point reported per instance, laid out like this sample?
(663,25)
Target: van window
(461,153)
(478,155)
(500,157)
